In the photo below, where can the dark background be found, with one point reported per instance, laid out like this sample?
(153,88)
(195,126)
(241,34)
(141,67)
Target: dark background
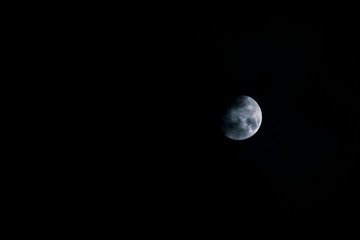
(177,77)
(301,167)
(169,165)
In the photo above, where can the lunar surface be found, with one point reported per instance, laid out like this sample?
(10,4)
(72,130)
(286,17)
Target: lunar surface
(242,119)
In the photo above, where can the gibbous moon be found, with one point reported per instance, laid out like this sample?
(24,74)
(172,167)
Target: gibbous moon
(242,119)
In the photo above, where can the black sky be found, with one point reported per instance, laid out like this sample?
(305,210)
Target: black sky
(301,167)
(143,95)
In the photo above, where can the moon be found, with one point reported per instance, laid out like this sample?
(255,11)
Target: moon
(242,119)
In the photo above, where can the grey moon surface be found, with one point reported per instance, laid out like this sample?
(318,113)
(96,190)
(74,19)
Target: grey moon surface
(242,119)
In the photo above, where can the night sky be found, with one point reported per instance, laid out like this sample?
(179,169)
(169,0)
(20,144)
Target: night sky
(301,167)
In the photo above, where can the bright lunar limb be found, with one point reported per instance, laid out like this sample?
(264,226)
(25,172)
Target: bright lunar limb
(242,119)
